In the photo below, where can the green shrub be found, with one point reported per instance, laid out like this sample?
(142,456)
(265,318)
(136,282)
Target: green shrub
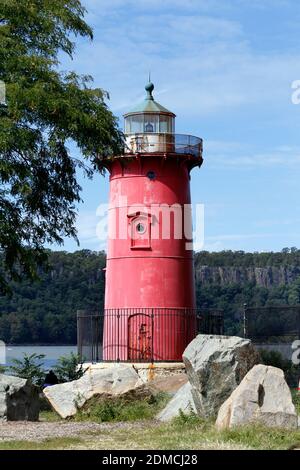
(69,368)
(190,418)
(30,368)
(121,409)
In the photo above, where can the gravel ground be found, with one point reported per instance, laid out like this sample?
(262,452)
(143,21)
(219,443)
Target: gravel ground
(104,436)
(33,431)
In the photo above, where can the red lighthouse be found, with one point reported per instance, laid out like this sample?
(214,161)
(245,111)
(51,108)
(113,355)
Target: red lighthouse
(149,296)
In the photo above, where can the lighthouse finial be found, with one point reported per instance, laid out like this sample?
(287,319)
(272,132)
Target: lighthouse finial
(149,88)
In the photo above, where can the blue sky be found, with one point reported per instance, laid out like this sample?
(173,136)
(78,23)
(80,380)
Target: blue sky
(225,68)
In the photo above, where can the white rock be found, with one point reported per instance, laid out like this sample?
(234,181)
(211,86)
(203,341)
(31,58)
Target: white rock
(215,365)
(117,380)
(182,400)
(263,397)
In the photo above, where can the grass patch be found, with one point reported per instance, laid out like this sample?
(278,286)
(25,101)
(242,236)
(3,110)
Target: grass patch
(193,434)
(260,437)
(252,436)
(49,416)
(59,443)
(120,409)
(183,433)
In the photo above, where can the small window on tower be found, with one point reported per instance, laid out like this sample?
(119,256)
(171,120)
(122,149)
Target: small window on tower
(140,231)
(151,175)
(140,228)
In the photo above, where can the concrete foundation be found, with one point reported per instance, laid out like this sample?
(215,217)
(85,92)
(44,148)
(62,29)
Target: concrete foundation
(147,371)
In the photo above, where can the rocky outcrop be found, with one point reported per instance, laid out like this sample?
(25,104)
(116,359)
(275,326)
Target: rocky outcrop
(115,381)
(262,397)
(19,399)
(182,401)
(263,277)
(215,366)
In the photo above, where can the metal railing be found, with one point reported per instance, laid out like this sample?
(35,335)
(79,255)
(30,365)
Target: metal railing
(280,323)
(275,331)
(152,142)
(142,335)
(210,321)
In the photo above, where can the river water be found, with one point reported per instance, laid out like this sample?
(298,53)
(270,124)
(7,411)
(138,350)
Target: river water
(52,353)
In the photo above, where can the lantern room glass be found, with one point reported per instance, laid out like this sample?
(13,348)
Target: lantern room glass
(148,123)
(166,124)
(151,123)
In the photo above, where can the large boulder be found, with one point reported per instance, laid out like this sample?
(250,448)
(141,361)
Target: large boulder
(115,381)
(182,401)
(215,366)
(19,399)
(264,397)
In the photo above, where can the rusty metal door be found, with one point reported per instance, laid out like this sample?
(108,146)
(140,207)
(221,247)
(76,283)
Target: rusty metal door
(140,335)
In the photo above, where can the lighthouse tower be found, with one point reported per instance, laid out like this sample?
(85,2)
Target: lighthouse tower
(149,296)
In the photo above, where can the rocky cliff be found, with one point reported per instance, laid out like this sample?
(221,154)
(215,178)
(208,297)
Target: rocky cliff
(264,277)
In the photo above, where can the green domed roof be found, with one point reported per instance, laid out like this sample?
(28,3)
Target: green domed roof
(149,105)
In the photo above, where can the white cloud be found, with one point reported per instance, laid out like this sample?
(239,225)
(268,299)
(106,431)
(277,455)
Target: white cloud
(282,221)
(238,236)
(215,246)
(231,154)
(105,7)
(261,160)
(202,63)
(261,242)
(87,231)
(231,241)
(220,73)
(265,4)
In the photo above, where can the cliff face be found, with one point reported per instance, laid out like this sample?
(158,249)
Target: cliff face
(264,277)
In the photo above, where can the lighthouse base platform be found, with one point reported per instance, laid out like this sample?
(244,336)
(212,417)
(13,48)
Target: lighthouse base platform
(147,371)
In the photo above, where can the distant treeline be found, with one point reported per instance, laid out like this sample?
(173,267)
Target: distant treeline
(45,311)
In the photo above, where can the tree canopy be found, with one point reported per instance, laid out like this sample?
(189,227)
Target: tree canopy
(46,110)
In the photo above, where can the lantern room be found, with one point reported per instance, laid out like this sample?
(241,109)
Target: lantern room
(149,127)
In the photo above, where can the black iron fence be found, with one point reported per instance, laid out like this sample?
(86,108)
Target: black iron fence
(274,328)
(210,321)
(142,335)
(272,323)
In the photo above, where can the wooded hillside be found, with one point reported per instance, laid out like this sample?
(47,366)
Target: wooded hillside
(45,311)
